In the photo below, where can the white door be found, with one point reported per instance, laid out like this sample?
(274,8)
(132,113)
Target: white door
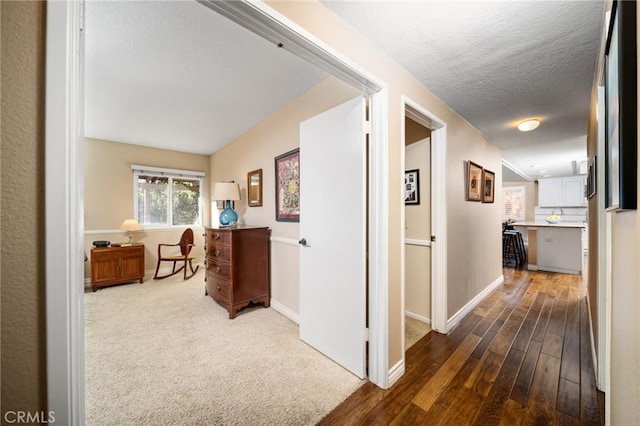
(333,234)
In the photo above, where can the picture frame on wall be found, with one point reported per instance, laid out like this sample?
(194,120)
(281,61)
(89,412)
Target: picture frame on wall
(474,181)
(621,144)
(412,187)
(287,172)
(488,186)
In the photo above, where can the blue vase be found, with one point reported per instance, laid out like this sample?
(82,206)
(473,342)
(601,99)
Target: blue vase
(228,216)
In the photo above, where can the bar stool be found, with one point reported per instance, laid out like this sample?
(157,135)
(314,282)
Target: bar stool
(513,250)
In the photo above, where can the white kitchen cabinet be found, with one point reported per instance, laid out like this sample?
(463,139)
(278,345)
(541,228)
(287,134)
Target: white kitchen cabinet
(562,192)
(560,250)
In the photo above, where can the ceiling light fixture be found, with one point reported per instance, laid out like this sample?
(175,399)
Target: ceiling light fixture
(528,125)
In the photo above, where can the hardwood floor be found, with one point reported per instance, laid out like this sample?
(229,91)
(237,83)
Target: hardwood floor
(521,357)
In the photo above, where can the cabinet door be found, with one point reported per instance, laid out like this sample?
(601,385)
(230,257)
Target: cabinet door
(131,266)
(573,191)
(105,268)
(549,193)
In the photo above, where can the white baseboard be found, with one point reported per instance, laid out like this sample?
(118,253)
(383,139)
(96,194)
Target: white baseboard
(594,357)
(285,311)
(457,317)
(396,372)
(418,317)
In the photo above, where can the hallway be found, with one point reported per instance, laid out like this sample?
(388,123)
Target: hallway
(523,356)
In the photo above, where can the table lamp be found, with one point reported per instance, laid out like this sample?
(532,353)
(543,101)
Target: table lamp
(227,192)
(130,225)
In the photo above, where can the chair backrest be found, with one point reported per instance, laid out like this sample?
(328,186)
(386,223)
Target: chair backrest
(186,241)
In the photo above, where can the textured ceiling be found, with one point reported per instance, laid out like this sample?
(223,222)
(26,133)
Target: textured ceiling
(178,76)
(496,63)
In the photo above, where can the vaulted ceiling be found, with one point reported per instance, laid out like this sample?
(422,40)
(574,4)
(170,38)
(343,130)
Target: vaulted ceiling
(178,76)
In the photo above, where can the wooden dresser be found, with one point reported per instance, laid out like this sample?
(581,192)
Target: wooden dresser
(237,266)
(115,265)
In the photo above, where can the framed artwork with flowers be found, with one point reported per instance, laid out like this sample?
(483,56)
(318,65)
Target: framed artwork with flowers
(288,186)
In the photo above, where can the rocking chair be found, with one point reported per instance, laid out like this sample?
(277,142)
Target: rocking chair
(185,244)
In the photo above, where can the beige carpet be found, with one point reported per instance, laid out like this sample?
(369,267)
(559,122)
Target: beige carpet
(414,330)
(162,353)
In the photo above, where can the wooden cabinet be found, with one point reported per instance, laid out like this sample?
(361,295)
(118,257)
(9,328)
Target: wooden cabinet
(562,192)
(115,265)
(237,266)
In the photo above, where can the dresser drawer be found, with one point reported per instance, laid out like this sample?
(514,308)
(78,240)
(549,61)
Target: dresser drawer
(216,237)
(219,290)
(221,252)
(218,269)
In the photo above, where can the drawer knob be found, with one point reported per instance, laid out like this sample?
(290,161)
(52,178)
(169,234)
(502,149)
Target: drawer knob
(218,288)
(217,253)
(217,269)
(216,236)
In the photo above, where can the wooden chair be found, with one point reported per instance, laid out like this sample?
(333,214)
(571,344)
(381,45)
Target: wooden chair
(185,244)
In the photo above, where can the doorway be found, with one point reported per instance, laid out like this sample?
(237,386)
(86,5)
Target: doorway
(64,136)
(417,228)
(424,254)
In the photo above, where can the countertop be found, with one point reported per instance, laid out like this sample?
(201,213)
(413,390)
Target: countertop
(541,224)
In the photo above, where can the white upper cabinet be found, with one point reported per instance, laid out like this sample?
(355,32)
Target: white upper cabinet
(562,192)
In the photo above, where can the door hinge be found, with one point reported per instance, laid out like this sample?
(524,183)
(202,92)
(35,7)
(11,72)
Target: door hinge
(367,127)
(433,238)
(366,334)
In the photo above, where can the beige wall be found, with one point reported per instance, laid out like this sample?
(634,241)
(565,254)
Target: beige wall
(23,260)
(109,195)
(474,243)
(625,312)
(530,195)
(418,226)
(257,149)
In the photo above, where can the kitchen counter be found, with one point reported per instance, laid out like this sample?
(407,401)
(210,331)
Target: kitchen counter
(540,224)
(553,247)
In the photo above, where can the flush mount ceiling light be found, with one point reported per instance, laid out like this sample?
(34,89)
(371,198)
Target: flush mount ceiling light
(528,125)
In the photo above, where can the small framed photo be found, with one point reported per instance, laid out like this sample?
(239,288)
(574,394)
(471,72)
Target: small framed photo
(412,187)
(488,186)
(474,181)
(288,186)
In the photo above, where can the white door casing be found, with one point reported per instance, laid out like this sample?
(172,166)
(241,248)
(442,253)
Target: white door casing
(333,225)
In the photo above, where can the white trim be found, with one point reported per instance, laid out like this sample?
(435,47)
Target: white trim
(418,317)
(455,319)
(285,311)
(161,171)
(438,128)
(603,284)
(515,170)
(64,200)
(145,229)
(286,241)
(396,372)
(591,336)
(558,270)
(417,242)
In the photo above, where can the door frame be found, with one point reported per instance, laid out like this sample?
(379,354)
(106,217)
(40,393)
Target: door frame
(419,114)
(64,161)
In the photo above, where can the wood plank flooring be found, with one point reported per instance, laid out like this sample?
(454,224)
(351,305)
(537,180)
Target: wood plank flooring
(521,357)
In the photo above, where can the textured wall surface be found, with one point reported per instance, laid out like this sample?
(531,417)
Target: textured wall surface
(23,328)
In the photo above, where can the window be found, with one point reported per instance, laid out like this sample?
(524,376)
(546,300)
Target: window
(513,202)
(166,197)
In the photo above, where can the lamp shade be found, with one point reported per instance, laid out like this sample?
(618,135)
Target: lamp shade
(130,225)
(223,191)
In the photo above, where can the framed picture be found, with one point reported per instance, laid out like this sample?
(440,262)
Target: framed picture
(474,181)
(592,178)
(621,144)
(412,187)
(288,186)
(254,188)
(488,186)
